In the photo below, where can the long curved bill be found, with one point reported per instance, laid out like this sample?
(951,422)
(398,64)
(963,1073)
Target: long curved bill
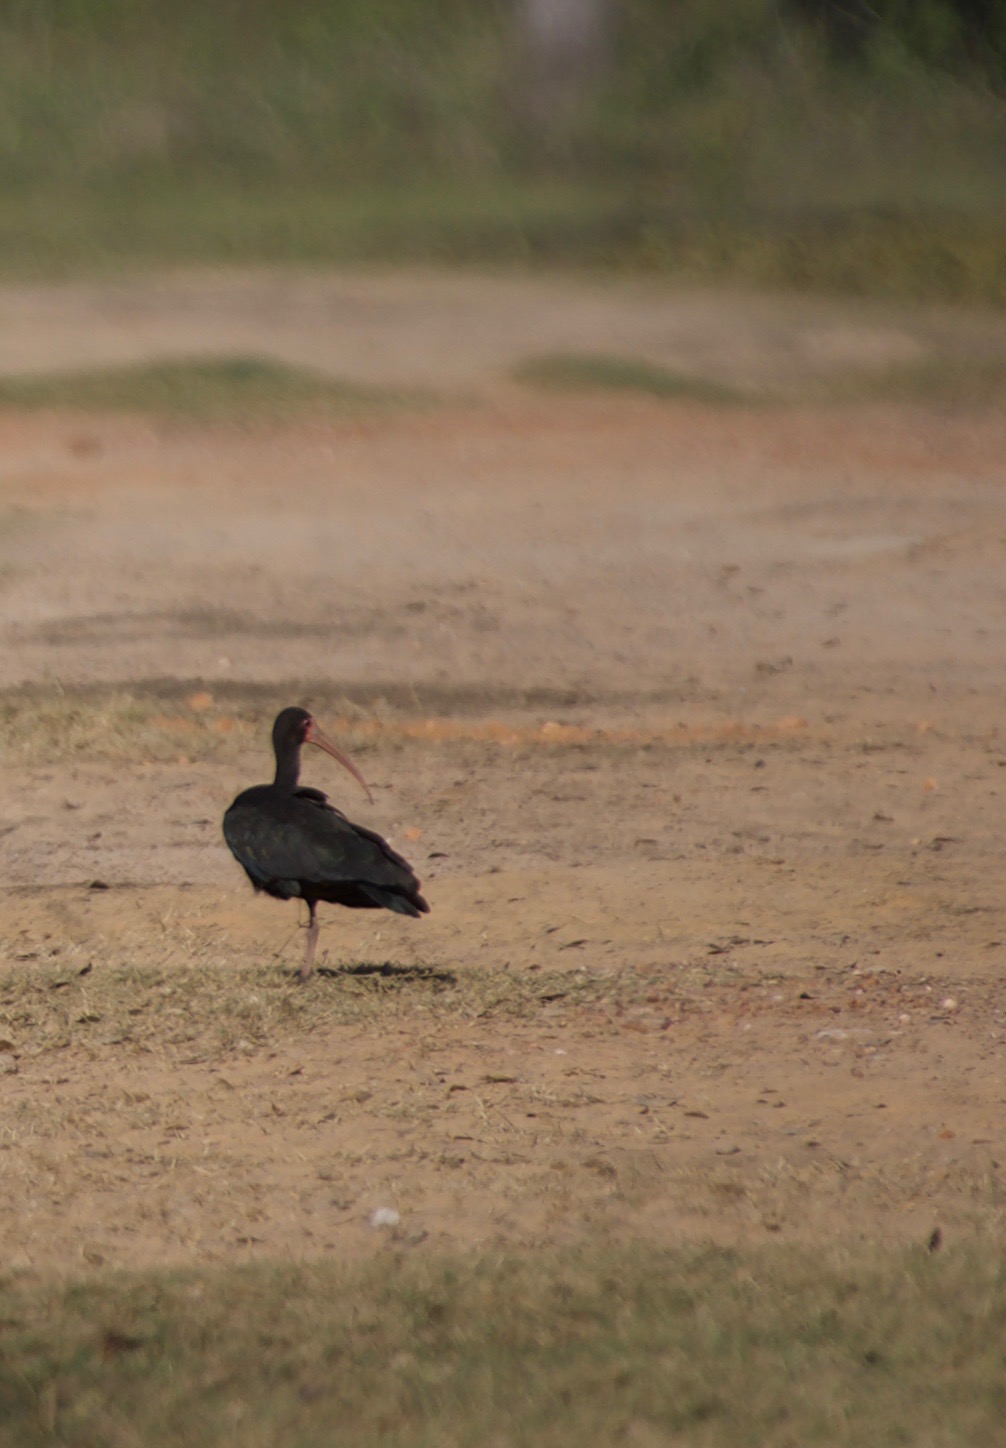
(315,736)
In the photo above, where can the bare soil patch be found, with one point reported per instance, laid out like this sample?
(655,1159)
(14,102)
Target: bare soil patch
(691,720)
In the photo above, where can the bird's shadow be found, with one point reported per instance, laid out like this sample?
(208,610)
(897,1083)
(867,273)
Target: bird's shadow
(386,970)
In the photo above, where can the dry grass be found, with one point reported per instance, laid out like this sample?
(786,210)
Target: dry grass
(112,724)
(40,726)
(174,978)
(37,727)
(197,1093)
(193,992)
(184,721)
(718,1349)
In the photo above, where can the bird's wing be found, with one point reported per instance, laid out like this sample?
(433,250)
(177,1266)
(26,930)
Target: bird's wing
(381,844)
(304,838)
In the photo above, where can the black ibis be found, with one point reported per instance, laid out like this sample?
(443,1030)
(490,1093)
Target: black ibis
(293,844)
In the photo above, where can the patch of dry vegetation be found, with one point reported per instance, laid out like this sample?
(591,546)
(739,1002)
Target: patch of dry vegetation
(41,726)
(192,992)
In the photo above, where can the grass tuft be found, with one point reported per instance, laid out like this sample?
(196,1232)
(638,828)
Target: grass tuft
(217,389)
(586,372)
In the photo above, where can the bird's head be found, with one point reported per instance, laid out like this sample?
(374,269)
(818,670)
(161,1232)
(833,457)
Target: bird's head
(295,727)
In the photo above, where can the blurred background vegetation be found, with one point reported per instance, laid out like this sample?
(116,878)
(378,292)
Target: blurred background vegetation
(832,143)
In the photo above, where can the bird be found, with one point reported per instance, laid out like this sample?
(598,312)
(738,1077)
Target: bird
(293,844)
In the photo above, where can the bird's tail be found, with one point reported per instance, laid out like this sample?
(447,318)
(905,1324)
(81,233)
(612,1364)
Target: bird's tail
(413,904)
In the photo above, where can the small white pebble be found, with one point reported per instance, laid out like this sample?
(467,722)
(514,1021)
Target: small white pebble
(948,1004)
(904,1018)
(384,1217)
(559,1051)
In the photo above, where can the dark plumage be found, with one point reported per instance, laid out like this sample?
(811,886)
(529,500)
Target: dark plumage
(292,843)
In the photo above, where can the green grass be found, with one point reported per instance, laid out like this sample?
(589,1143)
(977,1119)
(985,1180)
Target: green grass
(729,143)
(714,1349)
(178,220)
(586,372)
(952,379)
(206,390)
(950,251)
(251,389)
(853,247)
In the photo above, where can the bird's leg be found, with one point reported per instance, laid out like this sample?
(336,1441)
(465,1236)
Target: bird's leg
(312,942)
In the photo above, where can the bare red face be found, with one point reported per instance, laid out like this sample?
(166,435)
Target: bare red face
(313,735)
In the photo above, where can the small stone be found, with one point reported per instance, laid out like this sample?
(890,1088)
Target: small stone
(384,1217)
(948,1004)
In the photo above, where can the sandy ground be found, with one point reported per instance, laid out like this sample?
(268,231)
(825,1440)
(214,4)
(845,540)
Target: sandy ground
(698,709)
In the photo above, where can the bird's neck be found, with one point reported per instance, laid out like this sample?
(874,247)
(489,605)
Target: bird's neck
(287,773)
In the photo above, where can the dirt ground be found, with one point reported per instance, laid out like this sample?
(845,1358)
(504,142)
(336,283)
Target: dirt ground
(693,712)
